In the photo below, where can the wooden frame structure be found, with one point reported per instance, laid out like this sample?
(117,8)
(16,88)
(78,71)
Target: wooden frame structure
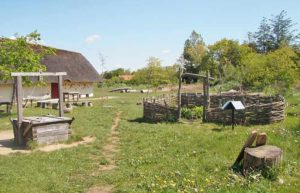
(206,78)
(18,80)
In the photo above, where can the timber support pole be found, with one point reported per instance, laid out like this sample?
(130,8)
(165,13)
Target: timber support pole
(19,110)
(179,93)
(60,94)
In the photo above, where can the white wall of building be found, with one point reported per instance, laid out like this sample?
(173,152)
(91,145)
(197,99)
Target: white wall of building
(45,91)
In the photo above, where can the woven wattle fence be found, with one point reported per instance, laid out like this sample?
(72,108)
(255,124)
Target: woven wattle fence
(161,108)
(259,109)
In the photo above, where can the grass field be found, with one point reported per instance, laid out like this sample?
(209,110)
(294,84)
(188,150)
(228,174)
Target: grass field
(162,157)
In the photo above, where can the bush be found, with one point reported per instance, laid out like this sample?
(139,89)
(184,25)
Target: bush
(192,113)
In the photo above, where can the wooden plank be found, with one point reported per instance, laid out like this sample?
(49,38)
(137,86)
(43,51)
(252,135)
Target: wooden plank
(196,75)
(28,127)
(38,74)
(52,139)
(261,139)
(251,138)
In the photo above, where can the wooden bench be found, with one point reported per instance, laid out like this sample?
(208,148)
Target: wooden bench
(7,105)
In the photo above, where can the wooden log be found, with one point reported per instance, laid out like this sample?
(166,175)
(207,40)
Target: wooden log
(261,157)
(261,139)
(251,138)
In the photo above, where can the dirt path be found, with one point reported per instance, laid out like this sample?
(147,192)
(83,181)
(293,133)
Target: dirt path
(109,151)
(55,147)
(7,145)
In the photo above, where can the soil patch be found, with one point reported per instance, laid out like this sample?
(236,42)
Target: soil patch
(110,149)
(100,189)
(7,145)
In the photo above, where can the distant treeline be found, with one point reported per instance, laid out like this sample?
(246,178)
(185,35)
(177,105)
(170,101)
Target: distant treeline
(269,60)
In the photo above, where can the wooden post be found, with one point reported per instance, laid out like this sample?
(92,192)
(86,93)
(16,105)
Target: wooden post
(207,94)
(179,93)
(205,100)
(232,120)
(60,100)
(19,110)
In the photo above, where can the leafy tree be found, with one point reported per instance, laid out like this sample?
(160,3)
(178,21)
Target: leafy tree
(274,72)
(274,33)
(194,52)
(22,55)
(226,53)
(115,73)
(154,74)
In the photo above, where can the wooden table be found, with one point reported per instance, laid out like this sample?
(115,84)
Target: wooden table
(7,105)
(71,96)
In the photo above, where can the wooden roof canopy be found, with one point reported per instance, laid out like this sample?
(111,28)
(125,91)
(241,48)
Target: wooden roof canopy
(236,105)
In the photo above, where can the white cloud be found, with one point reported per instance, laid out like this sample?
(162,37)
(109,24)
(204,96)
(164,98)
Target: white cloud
(166,51)
(12,37)
(92,38)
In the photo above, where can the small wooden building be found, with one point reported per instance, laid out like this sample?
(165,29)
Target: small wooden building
(81,76)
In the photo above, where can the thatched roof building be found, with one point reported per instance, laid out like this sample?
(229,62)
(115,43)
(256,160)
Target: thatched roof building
(78,68)
(80,76)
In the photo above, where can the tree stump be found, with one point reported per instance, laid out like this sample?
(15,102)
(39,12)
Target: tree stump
(261,157)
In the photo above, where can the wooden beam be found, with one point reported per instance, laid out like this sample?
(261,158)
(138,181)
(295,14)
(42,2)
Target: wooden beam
(251,138)
(19,110)
(204,106)
(60,101)
(38,73)
(196,75)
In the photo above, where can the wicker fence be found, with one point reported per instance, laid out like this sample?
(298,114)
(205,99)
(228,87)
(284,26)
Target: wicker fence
(259,109)
(161,108)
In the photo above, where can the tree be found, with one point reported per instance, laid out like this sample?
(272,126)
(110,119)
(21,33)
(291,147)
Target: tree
(274,72)
(226,60)
(274,33)
(194,51)
(22,55)
(154,74)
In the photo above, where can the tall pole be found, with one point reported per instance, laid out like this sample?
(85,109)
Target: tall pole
(205,101)
(19,110)
(232,119)
(19,101)
(179,93)
(60,100)
(207,94)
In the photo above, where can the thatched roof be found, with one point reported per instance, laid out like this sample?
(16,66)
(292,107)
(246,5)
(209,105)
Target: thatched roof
(78,68)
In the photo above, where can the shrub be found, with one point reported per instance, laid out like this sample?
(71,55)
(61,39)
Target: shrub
(192,113)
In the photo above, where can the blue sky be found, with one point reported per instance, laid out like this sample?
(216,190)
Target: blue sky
(127,32)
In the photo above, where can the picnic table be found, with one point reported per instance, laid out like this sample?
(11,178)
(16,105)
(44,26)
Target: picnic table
(71,96)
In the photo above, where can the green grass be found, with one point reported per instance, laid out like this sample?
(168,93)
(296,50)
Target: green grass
(162,157)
